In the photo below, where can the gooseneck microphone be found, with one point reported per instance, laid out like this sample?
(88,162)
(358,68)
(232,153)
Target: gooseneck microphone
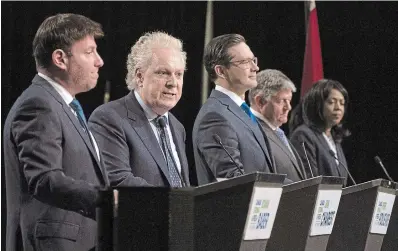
(378,161)
(306,157)
(299,161)
(218,140)
(349,174)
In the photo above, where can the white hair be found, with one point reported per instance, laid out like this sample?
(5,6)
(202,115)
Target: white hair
(269,83)
(141,53)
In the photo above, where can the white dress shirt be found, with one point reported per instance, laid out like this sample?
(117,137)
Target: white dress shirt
(332,146)
(235,97)
(260,116)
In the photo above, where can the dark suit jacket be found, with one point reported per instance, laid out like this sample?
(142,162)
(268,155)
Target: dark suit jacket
(242,138)
(318,151)
(52,172)
(132,154)
(285,163)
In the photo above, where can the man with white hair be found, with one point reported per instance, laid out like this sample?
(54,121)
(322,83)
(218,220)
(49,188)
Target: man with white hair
(270,103)
(142,143)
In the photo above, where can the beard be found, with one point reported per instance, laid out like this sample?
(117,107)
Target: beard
(81,80)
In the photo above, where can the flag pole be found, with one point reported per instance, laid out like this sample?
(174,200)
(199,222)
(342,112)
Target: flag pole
(306,14)
(208,37)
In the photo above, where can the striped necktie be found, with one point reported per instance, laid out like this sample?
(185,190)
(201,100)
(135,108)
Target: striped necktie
(160,123)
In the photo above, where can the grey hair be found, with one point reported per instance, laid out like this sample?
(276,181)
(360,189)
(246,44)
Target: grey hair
(269,83)
(141,53)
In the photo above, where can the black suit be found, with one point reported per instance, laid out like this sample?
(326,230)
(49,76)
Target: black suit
(285,163)
(318,151)
(131,152)
(52,171)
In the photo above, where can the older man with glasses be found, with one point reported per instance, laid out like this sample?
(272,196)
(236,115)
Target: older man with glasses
(225,120)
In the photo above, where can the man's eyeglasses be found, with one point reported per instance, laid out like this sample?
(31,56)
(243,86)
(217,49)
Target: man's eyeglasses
(245,63)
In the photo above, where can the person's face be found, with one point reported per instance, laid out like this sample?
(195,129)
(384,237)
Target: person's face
(160,86)
(83,63)
(277,109)
(241,74)
(333,108)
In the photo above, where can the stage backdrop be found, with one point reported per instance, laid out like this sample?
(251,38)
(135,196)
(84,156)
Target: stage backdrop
(359,49)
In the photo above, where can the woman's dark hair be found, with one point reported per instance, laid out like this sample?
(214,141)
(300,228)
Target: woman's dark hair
(310,109)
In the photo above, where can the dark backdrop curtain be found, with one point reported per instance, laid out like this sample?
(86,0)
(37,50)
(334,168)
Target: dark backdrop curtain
(359,49)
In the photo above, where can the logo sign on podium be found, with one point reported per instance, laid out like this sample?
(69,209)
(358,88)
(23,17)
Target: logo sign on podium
(262,211)
(382,213)
(325,212)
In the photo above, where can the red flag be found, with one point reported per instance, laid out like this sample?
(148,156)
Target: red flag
(313,69)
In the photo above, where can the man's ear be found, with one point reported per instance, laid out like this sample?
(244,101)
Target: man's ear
(60,59)
(139,77)
(220,71)
(260,101)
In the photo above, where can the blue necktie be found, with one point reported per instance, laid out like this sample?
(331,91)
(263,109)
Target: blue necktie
(281,135)
(80,114)
(160,123)
(246,109)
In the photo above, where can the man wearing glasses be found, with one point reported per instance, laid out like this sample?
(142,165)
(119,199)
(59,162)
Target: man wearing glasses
(225,120)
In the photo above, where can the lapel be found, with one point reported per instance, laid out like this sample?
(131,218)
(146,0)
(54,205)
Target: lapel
(342,160)
(43,83)
(274,138)
(242,116)
(179,141)
(144,131)
(325,144)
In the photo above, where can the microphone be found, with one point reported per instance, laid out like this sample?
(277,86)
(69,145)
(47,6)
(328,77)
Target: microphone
(378,161)
(349,174)
(306,157)
(218,140)
(299,161)
(162,124)
(107,94)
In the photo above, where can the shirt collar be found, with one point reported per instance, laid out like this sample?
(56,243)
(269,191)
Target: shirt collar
(149,113)
(238,100)
(65,95)
(260,116)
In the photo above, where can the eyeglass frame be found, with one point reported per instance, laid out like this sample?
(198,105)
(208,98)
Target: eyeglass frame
(237,63)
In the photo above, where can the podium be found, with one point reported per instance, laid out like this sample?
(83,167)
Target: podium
(209,217)
(390,242)
(363,217)
(306,214)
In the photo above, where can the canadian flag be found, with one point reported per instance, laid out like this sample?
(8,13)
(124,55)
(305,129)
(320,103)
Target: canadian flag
(313,69)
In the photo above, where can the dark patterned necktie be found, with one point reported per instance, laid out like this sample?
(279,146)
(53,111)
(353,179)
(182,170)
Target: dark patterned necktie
(160,123)
(246,109)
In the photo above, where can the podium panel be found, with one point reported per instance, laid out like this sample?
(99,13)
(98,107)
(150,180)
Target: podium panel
(306,214)
(390,242)
(260,218)
(208,217)
(363,217)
